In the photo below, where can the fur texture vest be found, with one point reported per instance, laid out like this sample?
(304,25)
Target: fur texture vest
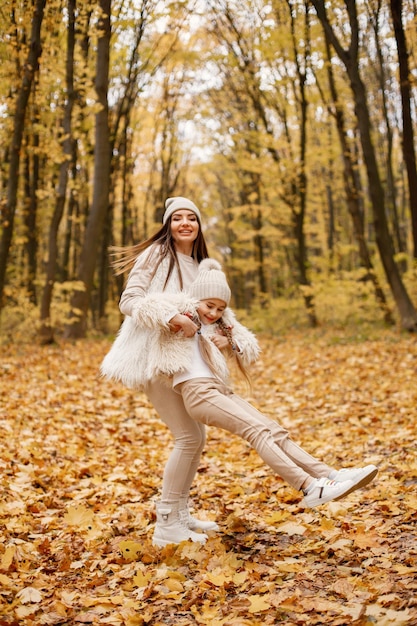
(145,348)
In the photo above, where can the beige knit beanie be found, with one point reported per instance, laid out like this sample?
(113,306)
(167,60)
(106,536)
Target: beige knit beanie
(210,282)
(176,204)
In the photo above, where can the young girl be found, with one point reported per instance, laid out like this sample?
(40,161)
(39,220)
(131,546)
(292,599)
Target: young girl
(199,373)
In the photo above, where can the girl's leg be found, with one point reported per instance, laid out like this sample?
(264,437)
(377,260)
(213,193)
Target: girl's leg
(214,404)
(281,436)
(189,440)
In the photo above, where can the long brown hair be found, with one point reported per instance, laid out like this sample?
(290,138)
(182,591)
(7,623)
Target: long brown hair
(124,257)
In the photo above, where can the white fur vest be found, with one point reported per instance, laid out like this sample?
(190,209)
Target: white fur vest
(145,348)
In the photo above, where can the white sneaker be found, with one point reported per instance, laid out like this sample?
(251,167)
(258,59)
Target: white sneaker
(323,490)
(360,476)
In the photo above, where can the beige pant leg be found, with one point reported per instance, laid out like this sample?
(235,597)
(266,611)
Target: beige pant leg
(282,438)
(214,404)
(189,440)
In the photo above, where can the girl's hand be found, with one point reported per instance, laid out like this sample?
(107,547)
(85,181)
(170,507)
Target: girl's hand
(220,341)
(182,322)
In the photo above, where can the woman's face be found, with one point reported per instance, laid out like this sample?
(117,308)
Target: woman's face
(184,230)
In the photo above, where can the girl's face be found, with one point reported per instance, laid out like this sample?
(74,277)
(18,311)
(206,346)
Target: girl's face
(184,230)
(211,310)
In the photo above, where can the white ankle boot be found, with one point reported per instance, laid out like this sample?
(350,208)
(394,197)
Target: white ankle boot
(171,527)
(194,523)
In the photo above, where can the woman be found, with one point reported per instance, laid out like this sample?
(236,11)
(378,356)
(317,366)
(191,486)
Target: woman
(147,353)
(164,264)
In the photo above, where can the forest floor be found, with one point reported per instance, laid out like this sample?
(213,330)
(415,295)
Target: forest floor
(81,466)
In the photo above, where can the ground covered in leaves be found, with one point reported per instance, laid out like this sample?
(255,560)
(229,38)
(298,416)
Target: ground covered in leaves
(81,464)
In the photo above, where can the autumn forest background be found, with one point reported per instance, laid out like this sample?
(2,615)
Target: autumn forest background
(291,124)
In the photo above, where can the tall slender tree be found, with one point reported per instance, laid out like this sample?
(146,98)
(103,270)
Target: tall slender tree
(384,81)
(29,70)
(406,99)
(80,299)
(350,59)
(46,328)
(32,174)
(352,183)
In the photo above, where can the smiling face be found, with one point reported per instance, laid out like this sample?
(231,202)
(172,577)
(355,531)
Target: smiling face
(210,310)
(184,230)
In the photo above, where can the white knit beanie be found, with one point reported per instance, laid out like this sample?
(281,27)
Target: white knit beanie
(176,204)
(210,282)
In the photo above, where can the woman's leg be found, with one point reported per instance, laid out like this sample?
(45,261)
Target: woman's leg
(214,404)
(189,440)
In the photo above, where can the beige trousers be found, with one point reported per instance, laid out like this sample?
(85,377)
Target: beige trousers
(212,403)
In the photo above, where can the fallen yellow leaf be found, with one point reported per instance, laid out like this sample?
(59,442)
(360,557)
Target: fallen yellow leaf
(7,557)
(291,528)
(258,604)
(79,516)
(130,549)
(140,579)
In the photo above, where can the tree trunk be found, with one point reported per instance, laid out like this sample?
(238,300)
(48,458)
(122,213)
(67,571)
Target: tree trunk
(251,196)
(391,196)
(405,307)
(258,241)
(353,192)
(407,312)
(31,206)
(408,131)
(301,186)
(46,330)
(80,300)
(29,71)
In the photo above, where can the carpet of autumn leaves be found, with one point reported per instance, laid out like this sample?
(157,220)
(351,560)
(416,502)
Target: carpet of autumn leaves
(81,465)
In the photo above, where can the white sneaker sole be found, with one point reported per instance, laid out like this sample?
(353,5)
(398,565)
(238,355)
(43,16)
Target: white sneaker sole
(365,480)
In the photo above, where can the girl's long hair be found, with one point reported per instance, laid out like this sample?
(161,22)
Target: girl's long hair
(124,257)
(206,348)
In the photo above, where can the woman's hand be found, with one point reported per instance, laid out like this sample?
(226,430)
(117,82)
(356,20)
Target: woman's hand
(182,322)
